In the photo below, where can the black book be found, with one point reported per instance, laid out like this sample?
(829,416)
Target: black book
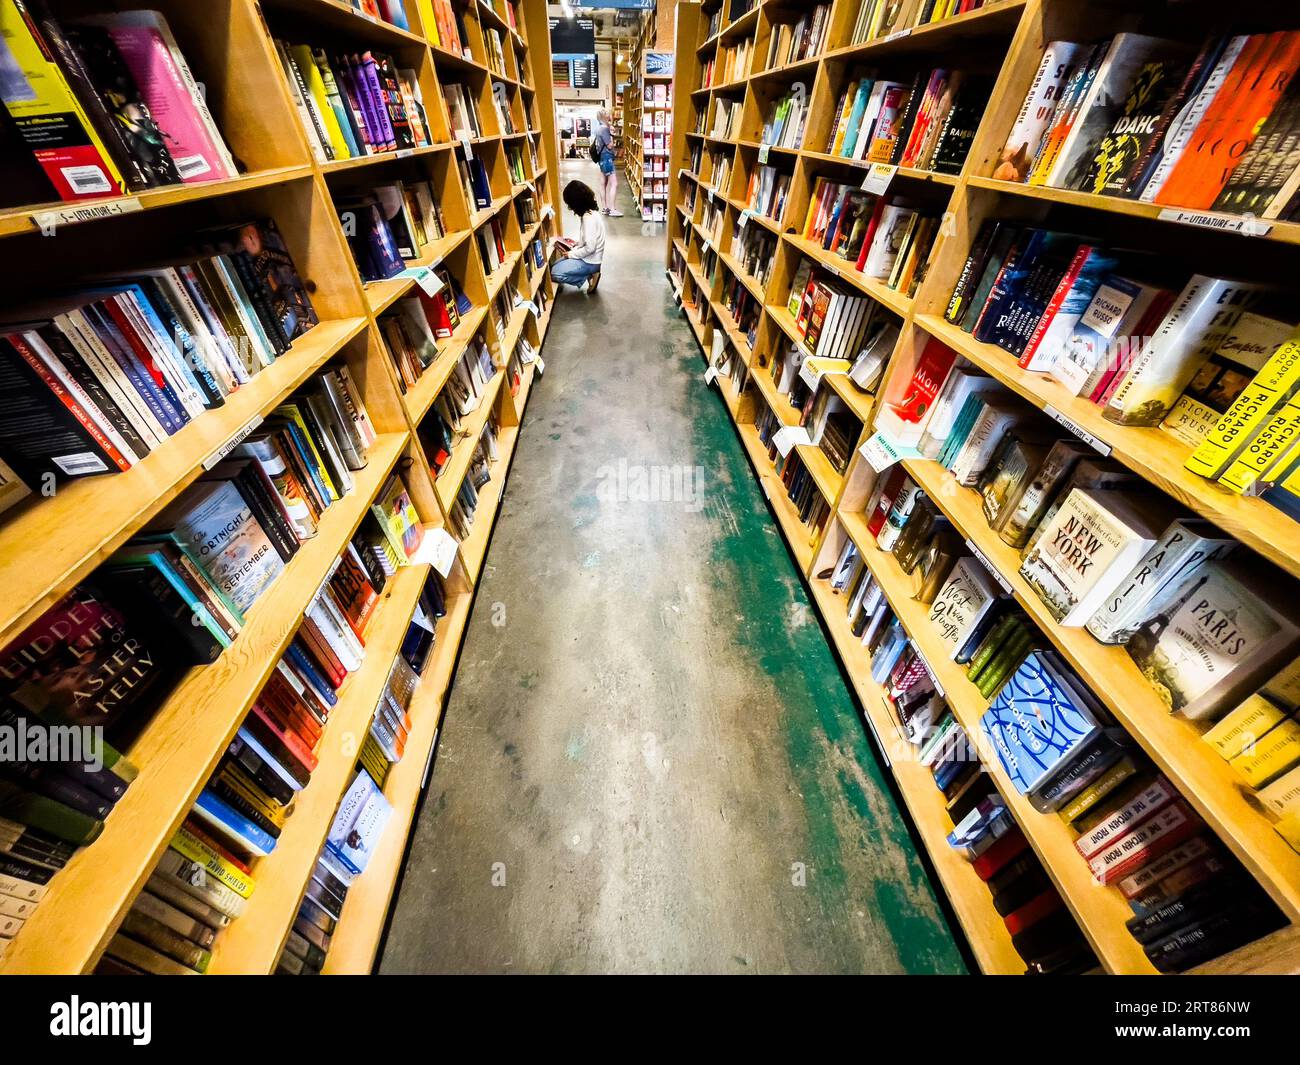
(1018,891)
(1196,904)
(25,869)
(162,307)
(266,778)
(241,805)
(47,780)
(919,83)
(959,126)
(102,781)
(151,602)
(1206,939)
(972,270)
(40,436)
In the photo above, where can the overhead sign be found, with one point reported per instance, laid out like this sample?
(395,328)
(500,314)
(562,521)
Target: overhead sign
(572,37)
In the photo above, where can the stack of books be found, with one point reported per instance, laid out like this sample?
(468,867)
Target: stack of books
(885,238)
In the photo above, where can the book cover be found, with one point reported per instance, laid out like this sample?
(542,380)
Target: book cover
(1017,155)
(1205,649)
(1036,724)
(1086,549)
(967,595)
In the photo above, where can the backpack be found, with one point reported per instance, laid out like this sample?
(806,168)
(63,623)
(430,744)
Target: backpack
(594,151)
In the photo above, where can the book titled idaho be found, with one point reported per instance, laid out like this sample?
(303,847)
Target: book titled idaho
(1037,722)
(1215,643)
(1087,547)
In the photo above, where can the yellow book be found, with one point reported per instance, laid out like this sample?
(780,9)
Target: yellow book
(1289,829)
(240,785)
(1111,779)
(48,115)
(188,845)
(842,126)
(1282,797)
(429,22)
(1269,445)
(1276,383)
(1276,753)
(1242,728)
(316,86)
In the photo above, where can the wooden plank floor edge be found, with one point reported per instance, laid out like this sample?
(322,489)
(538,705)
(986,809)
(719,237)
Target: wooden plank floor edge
(180,747)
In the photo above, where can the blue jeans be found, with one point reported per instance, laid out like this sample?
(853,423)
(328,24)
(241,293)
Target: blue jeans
(607,161)
(573,271)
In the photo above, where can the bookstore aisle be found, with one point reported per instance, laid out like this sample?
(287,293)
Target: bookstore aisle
(649,761)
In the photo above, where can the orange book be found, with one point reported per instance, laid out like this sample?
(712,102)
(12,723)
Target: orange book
(1258,80)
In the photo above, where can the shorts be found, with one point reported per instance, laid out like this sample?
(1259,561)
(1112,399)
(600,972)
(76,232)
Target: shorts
(606,162)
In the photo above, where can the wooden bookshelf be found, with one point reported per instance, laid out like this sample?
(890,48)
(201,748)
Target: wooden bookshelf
(641,120)
(48,545)
(1007,37)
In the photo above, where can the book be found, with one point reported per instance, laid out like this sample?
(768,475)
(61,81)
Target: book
(1217,639)
(1182,550)
(1032,121)
(1242,728)
(1036,723)
(962,602)
(1086,549)
(1198,322)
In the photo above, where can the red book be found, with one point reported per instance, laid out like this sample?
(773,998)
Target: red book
(1157,834)
(894,478)
(295,679)
(295,713)
(74,408)
(1054,304)
(435,311)
(1009,847)
(1033,911)
(193,828)
(931,371)
(318,647)
(287,742)
(353,592)
(881,203)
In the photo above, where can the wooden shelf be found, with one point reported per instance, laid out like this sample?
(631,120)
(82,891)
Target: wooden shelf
(361,924)
(1173,743)
(382,294)
(1100,911)
(420,398)
(181,745)
(1154,454)
(971,899)
(474,547)
(251,945)
(16,220)
(122,502)
(795,532)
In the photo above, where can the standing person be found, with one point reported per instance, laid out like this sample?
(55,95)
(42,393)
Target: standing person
(603,143)
(580,260)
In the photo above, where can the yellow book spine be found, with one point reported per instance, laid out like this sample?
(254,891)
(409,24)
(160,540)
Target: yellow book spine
(1242,728)
(1269,445)
(1272,386)
(1282,797)
(316,86)
(1272,756)
(842,127)
(190,846)
(429,22)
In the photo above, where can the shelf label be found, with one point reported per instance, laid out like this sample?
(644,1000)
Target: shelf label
(532,309)
(879,175)
(745,216)
(1101,447)
(710,375)
(993,570)
(465,143)
(705,248)
(548,211)
(225,449)
(881,452)
(425,278)
(48,221)
(404,153)
(437,549)
(897,35)
(763,150)
(541,366)
(788,437)
(814,369)
(1244,224)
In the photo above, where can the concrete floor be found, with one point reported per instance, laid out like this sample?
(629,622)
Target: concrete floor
(649,761)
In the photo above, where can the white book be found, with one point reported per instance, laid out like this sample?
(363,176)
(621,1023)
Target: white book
(869,116)
(962,602)
(1017,156)
(111,377)
(1088,547)
(1113,313)
(963,381)
(1198,322)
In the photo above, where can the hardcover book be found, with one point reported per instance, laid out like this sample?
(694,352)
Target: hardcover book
(967,595)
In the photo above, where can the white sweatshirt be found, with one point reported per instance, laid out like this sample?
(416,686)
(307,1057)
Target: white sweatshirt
(591,239)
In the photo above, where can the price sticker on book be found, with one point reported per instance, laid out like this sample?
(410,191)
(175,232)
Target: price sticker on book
(882,452)
(1100,446)
(1244,224)
(763,151)
(879,175)
(788,437)
(48,221)
(437,549)
(225,449)
(993,570)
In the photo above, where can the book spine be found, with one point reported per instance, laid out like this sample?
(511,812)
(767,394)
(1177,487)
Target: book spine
(1151,799)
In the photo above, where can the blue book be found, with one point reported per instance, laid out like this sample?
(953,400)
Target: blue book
(853,130)
(358,823)
(303,663)
(1084,279)
(1011,278)
(1037,723)
(156,399)
(215,811)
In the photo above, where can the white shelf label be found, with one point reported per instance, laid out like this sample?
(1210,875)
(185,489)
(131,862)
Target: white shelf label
(1246,225)
(763,151)
(405,153)
(541,366)
(898,35)
(705,248)
(425,278)
(1101,447)
(469,148)
(437,549)
(225,449)
(993,570)
(879,175)
(532,308)
(745,216)
(788,437)
(48,221)
(881,452)
(710,375)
